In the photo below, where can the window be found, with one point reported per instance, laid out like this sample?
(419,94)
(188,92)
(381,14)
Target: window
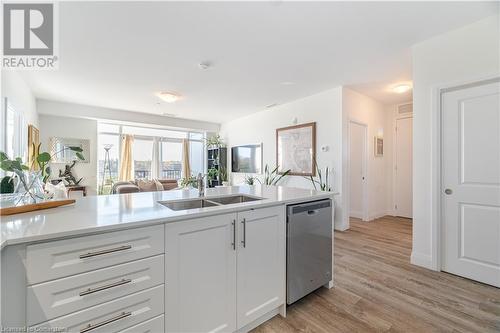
(14,133)
(146,140)
(171,160)
(196,158)
(142,152)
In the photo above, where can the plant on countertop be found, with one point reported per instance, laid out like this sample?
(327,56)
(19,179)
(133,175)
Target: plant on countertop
(272,177)
(188,181)
(322,183)
(215,141)
(250,180)
(223,174)
(7,185)
(28,182)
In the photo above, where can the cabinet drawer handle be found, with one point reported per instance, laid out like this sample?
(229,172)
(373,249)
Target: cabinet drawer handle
(244,240)
(101,288)
(91,327)
(99,253)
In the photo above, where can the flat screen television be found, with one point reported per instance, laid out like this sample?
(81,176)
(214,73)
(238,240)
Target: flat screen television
(246,158)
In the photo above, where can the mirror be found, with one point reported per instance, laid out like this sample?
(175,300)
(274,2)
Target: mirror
(62,155)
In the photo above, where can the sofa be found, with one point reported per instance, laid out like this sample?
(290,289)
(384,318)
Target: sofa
(143,185)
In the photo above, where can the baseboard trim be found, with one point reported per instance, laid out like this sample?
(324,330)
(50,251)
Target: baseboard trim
(422,260)
(377,216)
(358,215)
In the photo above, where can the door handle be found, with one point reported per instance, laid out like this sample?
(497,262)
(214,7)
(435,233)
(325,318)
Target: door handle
(448,191)
(244,240)
(233,244)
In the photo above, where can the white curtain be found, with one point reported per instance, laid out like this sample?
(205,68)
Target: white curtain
(155,162)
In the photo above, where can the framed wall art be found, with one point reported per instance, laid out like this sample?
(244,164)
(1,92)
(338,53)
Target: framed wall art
(296,149)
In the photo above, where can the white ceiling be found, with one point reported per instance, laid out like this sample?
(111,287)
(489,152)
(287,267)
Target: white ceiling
(119,55)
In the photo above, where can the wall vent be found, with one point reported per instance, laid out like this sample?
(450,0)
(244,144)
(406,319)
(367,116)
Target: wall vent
(405,108)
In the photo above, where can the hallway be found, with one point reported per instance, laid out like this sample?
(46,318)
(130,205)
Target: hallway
(377,289)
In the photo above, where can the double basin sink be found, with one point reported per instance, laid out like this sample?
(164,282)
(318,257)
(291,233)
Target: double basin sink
(207,202)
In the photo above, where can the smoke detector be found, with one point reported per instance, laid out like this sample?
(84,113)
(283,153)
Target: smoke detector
(204,65)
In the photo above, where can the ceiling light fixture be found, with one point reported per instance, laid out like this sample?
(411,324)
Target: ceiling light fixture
(271,105)
(401,88)
(169,96)
(205,65)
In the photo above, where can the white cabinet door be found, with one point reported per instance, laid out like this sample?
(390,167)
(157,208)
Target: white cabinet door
(261,280)
(471,182)
(200,280)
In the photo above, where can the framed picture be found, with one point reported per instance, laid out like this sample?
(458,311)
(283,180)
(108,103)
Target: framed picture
(33,142)
(379,147)
(296,149)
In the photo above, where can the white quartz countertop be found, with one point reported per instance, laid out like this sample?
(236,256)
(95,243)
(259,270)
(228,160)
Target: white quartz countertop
(121,211)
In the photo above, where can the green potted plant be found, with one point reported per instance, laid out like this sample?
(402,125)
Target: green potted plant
(250,180)
(272,177)
(29,184)
(188,182)
(212,175)
(322,181)
(223,176)
(214,142)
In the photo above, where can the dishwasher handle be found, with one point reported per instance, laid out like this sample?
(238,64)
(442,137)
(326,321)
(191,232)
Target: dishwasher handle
(311,208)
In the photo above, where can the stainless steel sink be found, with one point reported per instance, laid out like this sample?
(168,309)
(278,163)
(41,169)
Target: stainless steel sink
(207,202)
(188,204)
(233,199)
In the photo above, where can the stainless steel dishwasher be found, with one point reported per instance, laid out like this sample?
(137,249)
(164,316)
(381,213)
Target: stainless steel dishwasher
(309,248)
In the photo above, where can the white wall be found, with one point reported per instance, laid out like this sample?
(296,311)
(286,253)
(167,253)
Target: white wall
(363,109)
(460,56)
(54,126)
(324,108)
(19,95)
(63,109)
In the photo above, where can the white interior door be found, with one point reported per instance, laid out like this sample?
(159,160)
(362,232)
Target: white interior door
(403,198)
(471,182)
(357,170)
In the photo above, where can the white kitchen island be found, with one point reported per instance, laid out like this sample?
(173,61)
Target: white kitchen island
(128,263)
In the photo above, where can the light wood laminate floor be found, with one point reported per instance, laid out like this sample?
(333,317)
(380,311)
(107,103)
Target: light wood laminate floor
(378,290)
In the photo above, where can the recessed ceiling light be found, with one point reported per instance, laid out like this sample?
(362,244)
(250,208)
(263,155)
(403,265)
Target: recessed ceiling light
(401,88)
(169,96)
(166,114)
(287,83)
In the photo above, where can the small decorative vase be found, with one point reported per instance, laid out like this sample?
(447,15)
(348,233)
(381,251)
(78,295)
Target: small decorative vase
(225,183)
(29,187)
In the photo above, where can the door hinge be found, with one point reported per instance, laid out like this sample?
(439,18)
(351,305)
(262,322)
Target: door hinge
(396,207)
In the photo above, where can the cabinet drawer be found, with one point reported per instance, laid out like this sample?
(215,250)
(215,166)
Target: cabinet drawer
(52,299)
(53,260)
(111,317)
(155,325)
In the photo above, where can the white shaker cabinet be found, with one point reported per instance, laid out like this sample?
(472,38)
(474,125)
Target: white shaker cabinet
(200,268)
(225,273)
(260,263)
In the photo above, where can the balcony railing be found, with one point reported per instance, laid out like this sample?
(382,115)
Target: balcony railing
(164,174)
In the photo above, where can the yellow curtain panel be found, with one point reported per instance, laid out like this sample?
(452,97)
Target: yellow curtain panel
(127,162)
(186,168)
